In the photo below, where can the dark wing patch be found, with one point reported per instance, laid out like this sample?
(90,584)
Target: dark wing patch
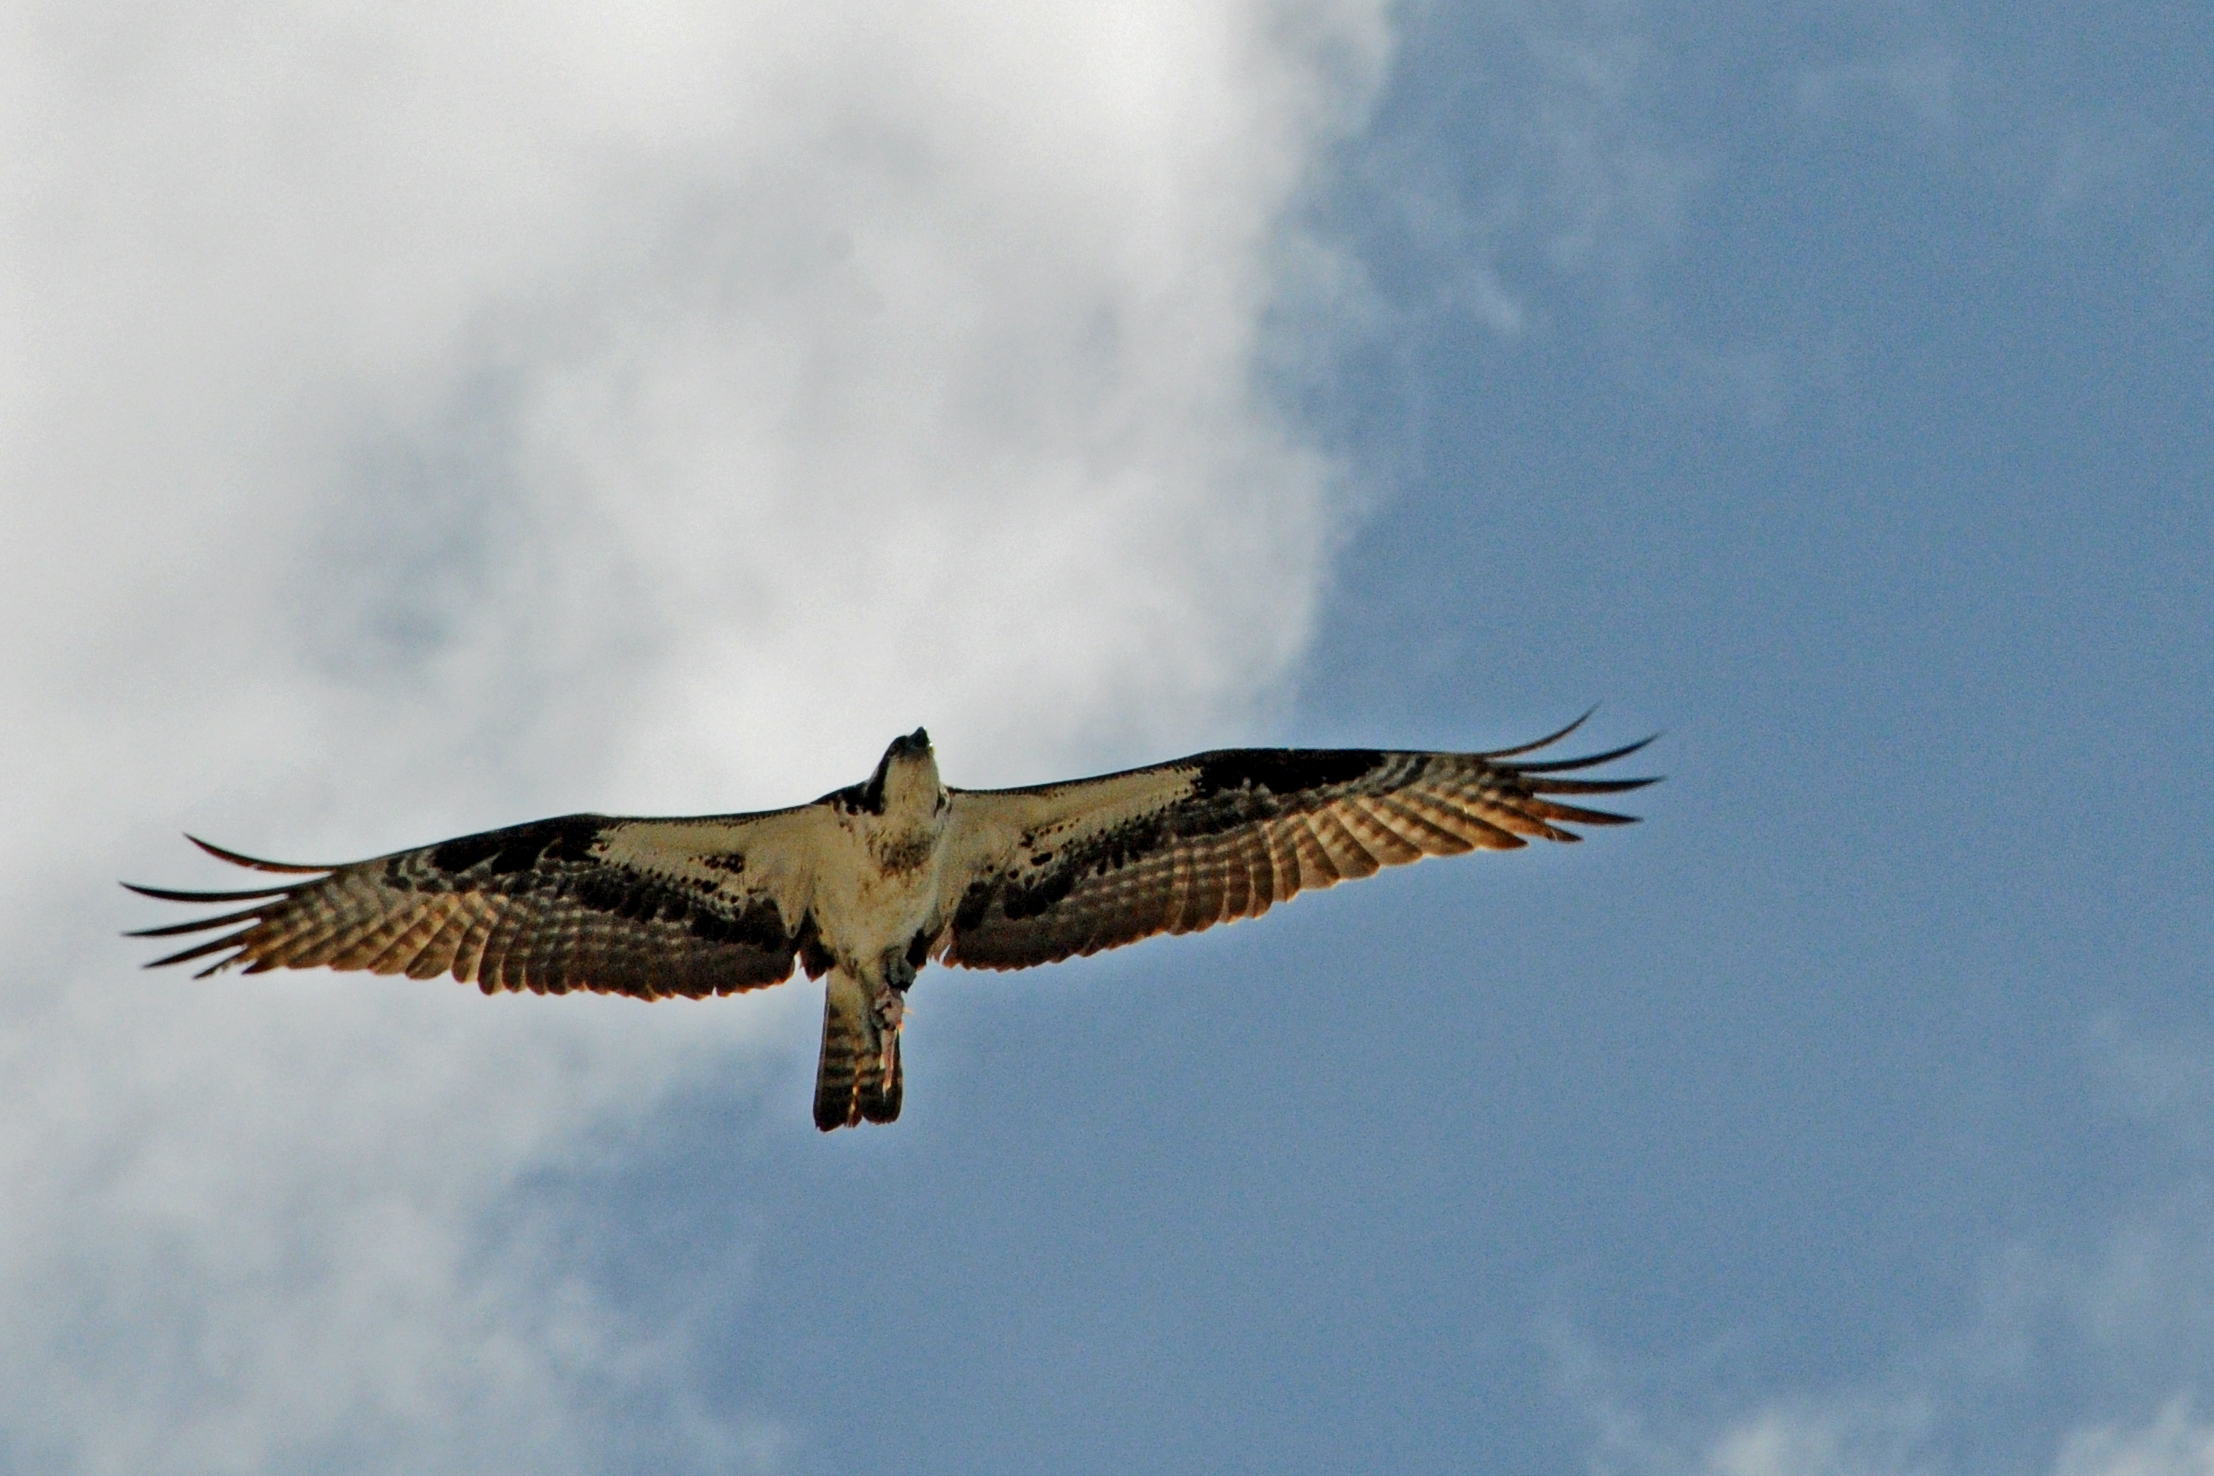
(1248,828)
(1281,771)
(532,907)
(518,847)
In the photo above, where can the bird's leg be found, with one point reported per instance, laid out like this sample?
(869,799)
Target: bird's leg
(891,995)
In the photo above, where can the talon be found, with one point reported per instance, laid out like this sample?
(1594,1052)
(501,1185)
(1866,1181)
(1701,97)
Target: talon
(891,1012)
(891,1009)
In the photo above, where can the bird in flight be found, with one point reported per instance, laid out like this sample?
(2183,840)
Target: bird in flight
(871,882)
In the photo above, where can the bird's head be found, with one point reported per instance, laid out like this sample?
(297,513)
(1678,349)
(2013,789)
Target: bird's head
(906,779)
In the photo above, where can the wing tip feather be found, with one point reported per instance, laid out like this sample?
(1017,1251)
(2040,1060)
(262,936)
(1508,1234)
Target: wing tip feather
(1548,740)
(201,950)
(1586,761)
(254,863)
(171,894)
(1592,786)
(1537,779)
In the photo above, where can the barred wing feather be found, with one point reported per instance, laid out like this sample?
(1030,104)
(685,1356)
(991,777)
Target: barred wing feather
(1068,869)
(641,907)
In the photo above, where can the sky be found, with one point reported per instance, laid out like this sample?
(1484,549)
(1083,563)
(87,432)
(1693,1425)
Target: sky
(414,421)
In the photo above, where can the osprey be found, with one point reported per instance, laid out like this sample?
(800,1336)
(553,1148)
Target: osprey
(870,882)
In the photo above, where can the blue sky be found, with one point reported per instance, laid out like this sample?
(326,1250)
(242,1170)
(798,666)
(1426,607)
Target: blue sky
(408,444)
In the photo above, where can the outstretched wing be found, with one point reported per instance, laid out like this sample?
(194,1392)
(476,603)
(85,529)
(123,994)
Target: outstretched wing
(642,907)
(1074,868)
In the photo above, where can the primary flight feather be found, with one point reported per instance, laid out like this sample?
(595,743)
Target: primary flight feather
(870,882)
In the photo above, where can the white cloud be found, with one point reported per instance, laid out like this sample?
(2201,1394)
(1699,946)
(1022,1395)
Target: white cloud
(1857,1435)
(1562,179)
(1816,1440)
(1834,1435)
(1813,1440)
(414,419)
(2064,1351)
(2172,1445)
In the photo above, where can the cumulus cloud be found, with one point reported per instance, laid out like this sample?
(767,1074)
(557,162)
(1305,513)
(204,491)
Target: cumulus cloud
(1902,1432)
(2085,1359)
(2172,1445)
(419,419)
(1803,1440)
(1565,180)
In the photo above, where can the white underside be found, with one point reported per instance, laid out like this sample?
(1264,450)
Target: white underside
(867,914)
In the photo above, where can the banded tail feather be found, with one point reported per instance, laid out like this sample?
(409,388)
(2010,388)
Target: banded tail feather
(857,1075)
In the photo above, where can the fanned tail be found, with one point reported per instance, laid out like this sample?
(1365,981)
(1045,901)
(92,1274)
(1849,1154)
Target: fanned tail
(857,1077)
